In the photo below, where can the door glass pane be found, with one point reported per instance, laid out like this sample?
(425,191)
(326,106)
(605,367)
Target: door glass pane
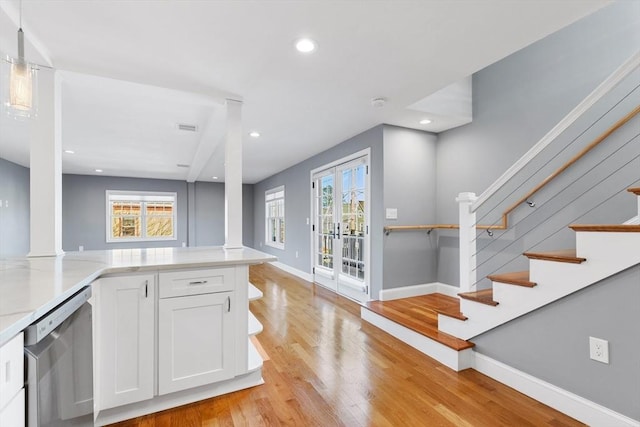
(324,220)
(353,220)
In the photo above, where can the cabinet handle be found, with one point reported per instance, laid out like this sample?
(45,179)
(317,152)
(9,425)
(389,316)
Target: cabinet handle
(198,282)
(146,289)
(228,304)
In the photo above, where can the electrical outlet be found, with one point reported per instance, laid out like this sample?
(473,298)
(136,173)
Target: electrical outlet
(599,350)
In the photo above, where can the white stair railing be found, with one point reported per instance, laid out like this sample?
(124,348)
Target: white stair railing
(629,66)
(469,203)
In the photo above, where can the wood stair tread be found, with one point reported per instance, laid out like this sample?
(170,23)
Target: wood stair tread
(519,278)
(634,190)
(456,315)
(484,296)
(565,255)
(617,228)
(420,314)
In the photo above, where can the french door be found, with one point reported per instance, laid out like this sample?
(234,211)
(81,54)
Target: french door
(341,228)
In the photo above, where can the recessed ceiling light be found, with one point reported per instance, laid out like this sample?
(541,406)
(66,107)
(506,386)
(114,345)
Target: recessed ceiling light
(425,121)
(305,45)
(99,170)
(214,177)
(254,134)
(69,151)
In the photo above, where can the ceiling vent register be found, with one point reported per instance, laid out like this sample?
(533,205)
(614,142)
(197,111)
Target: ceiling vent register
(187,128)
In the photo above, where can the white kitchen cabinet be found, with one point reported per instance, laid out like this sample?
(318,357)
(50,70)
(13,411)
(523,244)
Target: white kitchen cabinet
(13,415)
(195,341)
(12,382)
(124,340)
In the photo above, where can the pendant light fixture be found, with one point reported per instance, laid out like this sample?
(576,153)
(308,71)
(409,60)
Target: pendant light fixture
(20,93)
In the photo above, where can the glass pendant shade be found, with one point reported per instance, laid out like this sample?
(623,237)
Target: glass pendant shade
(20,89)
(20,86)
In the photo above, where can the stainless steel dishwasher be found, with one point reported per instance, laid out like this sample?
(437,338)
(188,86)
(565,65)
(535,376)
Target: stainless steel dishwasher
(59,364)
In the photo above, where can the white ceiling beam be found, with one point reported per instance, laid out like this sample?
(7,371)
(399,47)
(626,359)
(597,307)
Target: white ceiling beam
(212,136)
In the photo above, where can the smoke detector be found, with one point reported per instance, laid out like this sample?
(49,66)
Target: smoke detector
(378,102)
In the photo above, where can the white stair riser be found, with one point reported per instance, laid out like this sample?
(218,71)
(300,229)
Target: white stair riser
(456,360)
(608,246)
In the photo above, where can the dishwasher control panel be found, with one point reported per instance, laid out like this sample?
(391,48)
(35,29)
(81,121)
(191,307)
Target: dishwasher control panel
(47,323)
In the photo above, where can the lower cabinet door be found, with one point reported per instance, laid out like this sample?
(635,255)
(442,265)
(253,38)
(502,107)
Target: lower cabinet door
(124,340)
(14,413)
(195,341)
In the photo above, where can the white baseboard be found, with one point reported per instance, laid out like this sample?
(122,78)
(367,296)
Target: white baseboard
(564,401)
(417,290)
(301,274)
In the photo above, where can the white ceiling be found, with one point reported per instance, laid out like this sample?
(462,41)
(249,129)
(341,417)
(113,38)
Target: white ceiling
(133,69)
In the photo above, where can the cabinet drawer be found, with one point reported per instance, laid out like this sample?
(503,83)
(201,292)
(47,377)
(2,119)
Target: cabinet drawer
(196,282)
(11,369)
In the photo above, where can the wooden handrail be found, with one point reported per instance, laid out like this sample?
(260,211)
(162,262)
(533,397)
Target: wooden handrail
(505,216)
(629,66)
(617,125)
(388,229)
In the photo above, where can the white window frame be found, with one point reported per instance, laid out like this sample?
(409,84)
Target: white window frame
(143,197)
(271,196)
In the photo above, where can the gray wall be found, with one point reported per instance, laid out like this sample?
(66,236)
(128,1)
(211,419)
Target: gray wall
(208,226)
(552,343)
(410,187)
(14,209)
(83,211)
(518,99)
(298,204)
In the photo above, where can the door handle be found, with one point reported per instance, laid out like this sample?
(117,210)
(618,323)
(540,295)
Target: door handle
(338,224)
(228,304)
(146,289)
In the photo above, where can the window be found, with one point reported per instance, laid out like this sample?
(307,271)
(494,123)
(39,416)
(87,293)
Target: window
(140,216)
(274,214)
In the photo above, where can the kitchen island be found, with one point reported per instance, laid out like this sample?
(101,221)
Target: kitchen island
(178,317)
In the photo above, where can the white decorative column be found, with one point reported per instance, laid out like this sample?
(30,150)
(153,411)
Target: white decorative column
(467,241)
(233,176)
(46,168)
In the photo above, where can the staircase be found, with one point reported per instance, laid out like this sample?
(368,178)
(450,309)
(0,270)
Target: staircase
(441,326)
(602,251)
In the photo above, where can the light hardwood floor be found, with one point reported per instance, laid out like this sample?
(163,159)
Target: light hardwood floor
(327,367)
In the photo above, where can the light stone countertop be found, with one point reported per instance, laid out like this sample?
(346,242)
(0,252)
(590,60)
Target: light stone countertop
(31,287)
